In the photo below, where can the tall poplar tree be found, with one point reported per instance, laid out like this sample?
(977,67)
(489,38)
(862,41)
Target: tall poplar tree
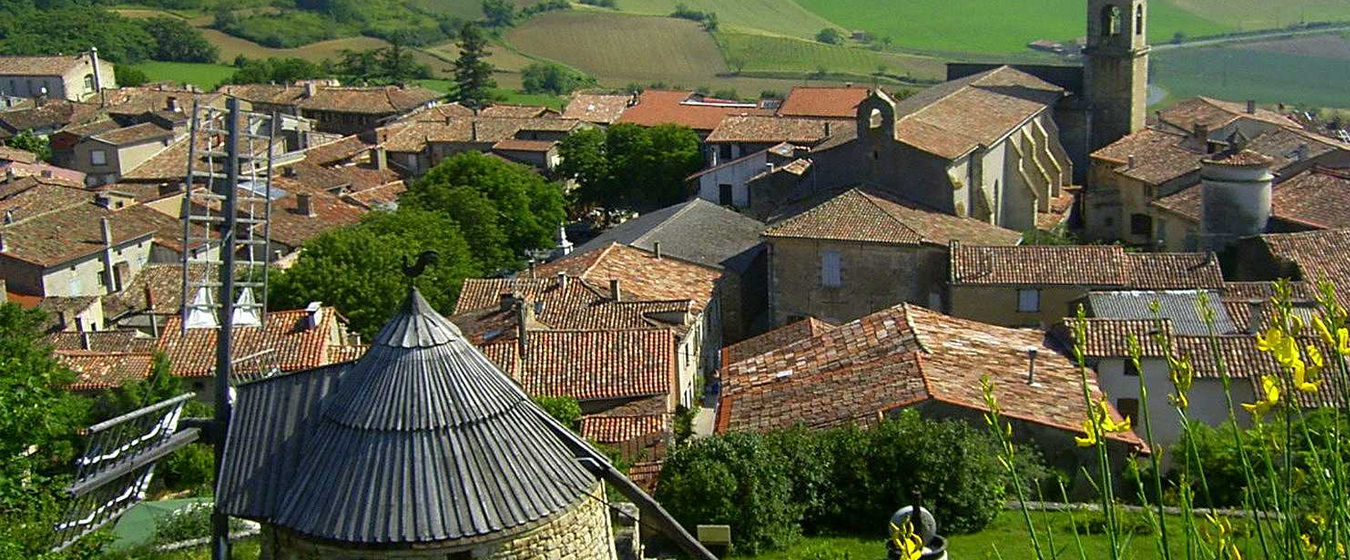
(473,73)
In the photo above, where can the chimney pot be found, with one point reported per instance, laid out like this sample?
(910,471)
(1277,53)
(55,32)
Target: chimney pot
(562,280)
(304,205)
(1256,316)
(1131,162)
(3,248)
(656,248)
(1251,106)
(615,290)
(505,301)
(46,174)
(1031,365)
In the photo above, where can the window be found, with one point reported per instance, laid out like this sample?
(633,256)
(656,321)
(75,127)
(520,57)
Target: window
(1028,301)
(1130,370)
(829,269)
(1128,408)
(1111,20)
(89,82)
(1141,224)
(1139,19)
(724,194)
(724,152)
(98,157)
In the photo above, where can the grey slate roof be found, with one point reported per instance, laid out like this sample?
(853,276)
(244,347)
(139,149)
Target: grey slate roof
(1181,307)
(697,231)
(422,440)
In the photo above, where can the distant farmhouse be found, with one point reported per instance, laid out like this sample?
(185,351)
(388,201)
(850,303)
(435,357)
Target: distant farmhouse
(74,77)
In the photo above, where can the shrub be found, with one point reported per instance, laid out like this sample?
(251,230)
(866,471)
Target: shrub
(830,35)
(563,409)
(549,78)
(775,486)
(600,3)
(190,468)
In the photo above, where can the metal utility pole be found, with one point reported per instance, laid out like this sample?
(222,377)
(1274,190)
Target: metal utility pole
(220,522)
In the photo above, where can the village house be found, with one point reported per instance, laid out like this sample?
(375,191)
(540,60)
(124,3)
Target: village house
(738,136)
(415,146)
(47,117)
(342,110)
(910,358)
(726,183)
(712,236)
(145,304)
(861,251)
(74,77)
(1310,257)
(104,151)
(682,107)
(823,102)
(1146,189)
(601,109)
(1037,286)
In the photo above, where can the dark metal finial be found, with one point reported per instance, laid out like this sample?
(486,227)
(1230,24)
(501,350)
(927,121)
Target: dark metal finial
(427,258)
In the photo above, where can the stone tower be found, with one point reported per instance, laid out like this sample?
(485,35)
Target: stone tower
(1116,73)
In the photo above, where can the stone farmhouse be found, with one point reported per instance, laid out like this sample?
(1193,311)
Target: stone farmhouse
(74,78)
(336,109)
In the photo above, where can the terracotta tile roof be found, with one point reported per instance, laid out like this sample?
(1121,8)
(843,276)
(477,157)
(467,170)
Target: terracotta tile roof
(1286,146)
(596,107)
(774,339)
(348,353)
(1238,158)
(768,129)
(292,229)
(577,306)
(374,100)
(657,106)
(28,198)
(336,152)
(1159,156)
(361,178)
(593,365)
(76,231)
(152,99)
(413,136)
(642,274)
(859,215)
(14,154)
(478,294)
(1083,265)
(1060,208)
(1318,198)
(11,65)
(645,475)
(1260,290)
(377,197)
(134,134)
(53,114)
(823,102)
(905,355)
(1319,255)
(514,111)
(156,289)
(437,113)
(513,145)
(106,342)
(1185,203)
(89,129)
(1216,114)
(951,119)
(41,172)
(171,163)
(96,370)
(296,346)
(618,429)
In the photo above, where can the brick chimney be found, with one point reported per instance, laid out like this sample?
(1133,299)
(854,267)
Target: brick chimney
(171,104)
(562,280)
(311,89)
(379,159)
(615,290)
(304,205)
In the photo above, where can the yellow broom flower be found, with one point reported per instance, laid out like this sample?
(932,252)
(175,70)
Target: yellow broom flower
(1270,397)
(905,542)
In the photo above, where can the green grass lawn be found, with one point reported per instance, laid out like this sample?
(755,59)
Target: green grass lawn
(773,17)
(205,76)
(1003,26)
(764,53)
(1239,72)
(511,97)
(1265,14)
(1005,538)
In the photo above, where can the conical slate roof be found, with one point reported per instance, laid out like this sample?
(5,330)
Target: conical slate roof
(425,440)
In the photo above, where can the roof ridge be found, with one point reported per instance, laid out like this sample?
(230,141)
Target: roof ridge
(875,200)
(684,208)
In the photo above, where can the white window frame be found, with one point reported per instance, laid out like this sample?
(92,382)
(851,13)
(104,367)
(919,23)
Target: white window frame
(831,268)
(98,157)
(1025,305)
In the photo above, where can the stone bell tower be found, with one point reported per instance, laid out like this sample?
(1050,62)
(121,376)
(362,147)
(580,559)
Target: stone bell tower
(1116,72)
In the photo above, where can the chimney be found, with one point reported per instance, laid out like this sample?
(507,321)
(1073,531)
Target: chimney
(505,301)
(3,248)
(473,130)
(171,104)
(46,174)
(103,199)
(1031,365)
(562,280)
(98,74)
(303,205)
(1201,132)
(1130,165)
(4,292)
(827,129)
(1251,106)
(107,232)
(149,298)
(379,158)
(615,291)
(524,320)
(68,320)
(314,313)
(311,89)
(288,171)
(1255,317)
(656,248)
(84,340)
(9,216)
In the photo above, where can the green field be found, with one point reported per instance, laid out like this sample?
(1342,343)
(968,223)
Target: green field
(1004,26)
(1250,72)
(508,96)
(1246,15)
(1005,538)
(763,53)
(772,17)
(205,76)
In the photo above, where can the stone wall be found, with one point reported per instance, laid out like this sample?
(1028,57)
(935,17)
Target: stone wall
(581,532)
(874,276)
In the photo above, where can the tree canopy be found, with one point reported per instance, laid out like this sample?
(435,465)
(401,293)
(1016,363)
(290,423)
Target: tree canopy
(473,73)
(631,167)
(30,142)
(549,78)
(358,269)
(178,41)
(503,208)
(390,65)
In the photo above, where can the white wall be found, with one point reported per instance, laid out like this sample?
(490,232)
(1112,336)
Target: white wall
(1207,401)
(735,174)
(85,277)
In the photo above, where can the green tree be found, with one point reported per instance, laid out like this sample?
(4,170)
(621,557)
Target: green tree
(631,167)
(830,35)
(565,410)
(176,40)
(585,160)
(499,13)
(473,73)
(30,142)
(554,79)
(38,433)
(130,76)
(275,70)
(358,269)
(504,209)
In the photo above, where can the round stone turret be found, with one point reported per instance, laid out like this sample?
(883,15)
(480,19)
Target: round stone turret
(1235,201)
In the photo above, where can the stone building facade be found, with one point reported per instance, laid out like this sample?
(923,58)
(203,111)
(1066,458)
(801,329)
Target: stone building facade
(581,532)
